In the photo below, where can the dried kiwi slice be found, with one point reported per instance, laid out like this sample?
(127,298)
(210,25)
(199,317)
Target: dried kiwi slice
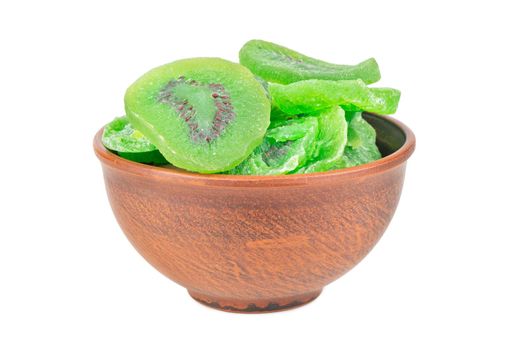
(279,64)
(288,144)
(203,114)
(361,147)
(330,142)
(119,136)
(309,96)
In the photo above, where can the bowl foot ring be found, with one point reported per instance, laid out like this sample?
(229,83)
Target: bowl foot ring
(255,306)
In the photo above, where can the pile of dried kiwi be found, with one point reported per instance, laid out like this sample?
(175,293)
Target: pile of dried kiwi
(277,112)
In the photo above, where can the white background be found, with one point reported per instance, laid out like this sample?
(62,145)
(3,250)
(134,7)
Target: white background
(70,279)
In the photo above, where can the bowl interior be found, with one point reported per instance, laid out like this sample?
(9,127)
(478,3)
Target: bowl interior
(390,137)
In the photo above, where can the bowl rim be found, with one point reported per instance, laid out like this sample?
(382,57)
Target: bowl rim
(396,158)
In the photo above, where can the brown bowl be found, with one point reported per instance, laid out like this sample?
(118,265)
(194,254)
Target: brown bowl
(258,243)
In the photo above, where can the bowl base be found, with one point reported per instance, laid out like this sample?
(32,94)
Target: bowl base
(255,306)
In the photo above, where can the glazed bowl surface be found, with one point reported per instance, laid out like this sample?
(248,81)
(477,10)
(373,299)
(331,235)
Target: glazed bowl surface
(258,243)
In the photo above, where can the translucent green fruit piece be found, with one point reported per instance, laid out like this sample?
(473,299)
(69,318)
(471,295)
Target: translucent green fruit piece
(310,96)
(278,64)
(119,136)
(203,114)
(361,147)
(330,142)
(288,144)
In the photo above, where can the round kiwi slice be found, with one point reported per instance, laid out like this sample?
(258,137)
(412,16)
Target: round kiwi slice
(288,144)
(278,64)
(310,96)
(330,143)
(361,147)
(120,137)
(203,114)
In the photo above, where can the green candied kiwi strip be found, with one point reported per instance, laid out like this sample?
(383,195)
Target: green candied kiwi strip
(288,144)
(279,64)
(276,113)
(310,96)
(119,136)
(330,142)
(361,147)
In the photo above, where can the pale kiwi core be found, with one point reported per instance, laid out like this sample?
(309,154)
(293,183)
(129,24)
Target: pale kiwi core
(206,108)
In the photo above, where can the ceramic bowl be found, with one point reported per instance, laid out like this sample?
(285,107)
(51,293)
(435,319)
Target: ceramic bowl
(258,243)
